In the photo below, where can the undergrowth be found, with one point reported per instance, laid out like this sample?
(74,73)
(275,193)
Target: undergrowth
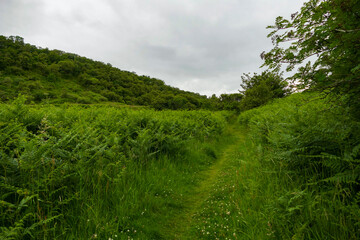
(311,150)
(102,172)
(74,172)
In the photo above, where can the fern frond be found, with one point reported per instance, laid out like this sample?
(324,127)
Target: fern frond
(349,177)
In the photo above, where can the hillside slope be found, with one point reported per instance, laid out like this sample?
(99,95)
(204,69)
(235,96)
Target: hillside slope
(57,77)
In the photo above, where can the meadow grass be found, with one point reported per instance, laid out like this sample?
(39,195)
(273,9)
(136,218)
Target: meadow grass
(287,170)
(308,149)
(280,179)
(74,172)
(237,199)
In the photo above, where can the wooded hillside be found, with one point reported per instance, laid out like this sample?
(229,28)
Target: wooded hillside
(57,77)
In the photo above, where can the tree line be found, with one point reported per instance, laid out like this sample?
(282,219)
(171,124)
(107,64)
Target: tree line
(57,77)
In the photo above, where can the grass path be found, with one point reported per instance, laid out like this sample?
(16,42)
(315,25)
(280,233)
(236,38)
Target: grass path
(180,227)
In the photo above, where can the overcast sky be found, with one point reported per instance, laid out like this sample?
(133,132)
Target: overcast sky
(196,45)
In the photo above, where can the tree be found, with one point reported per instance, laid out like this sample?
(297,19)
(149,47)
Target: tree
(260,89)
(84,80)
(231,101)
(178,102)
(67,68)
(329,31)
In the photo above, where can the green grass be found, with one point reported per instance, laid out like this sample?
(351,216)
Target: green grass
(288,170)
(309,155)
(179,226)
(74,172)
(235,205)
(258,190)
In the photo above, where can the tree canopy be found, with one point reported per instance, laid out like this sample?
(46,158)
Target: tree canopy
(55,76)
(259,89)
(327,31)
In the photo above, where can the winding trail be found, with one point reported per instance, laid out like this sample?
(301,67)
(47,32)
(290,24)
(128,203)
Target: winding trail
(179,227)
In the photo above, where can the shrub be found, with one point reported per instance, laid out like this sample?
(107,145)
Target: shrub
(314,146)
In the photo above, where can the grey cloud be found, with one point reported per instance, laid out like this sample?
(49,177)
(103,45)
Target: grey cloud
(202,45)
(159,53)
(19,17)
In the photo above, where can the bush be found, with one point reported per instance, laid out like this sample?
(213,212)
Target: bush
(314,146)
(56,159)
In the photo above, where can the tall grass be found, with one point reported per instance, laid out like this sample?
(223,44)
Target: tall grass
(312,150)
(97,172)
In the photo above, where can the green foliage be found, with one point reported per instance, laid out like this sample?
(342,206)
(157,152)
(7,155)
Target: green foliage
(233,207)
(65,77)
(73,171)
(257,90)
(329,32)
(313,147)
(231,101)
